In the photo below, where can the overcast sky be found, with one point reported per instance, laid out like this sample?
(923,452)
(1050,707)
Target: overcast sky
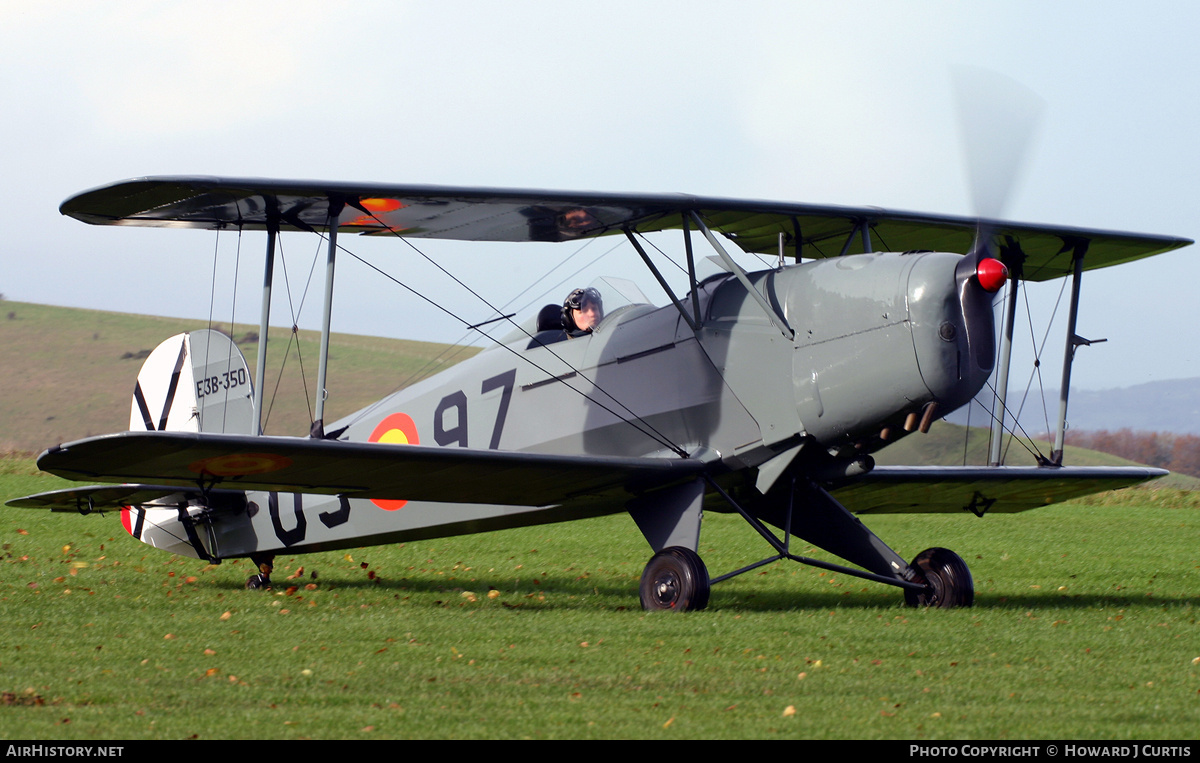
(825,102)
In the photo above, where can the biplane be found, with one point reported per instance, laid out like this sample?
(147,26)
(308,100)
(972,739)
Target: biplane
(762,393)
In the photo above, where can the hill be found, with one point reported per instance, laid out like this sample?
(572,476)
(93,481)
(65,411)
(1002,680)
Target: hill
(1170,405)
(68,373)
(949,444)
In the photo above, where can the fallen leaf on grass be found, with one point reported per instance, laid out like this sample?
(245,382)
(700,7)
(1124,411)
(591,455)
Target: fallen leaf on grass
(789,711)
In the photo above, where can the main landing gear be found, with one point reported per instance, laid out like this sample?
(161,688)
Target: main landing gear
(676,579)
(946,577)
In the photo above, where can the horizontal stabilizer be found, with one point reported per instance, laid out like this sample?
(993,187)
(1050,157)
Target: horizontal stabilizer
(981,489)
(357,469)
(84,500)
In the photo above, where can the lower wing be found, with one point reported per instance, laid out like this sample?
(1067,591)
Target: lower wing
(981,489)
(168,461)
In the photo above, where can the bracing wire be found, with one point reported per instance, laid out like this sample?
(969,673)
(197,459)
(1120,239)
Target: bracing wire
(649,430)
(458,347)
(1037,454)
(294,337)
(237,263)
(636,422)
(212,292)
(1039,349)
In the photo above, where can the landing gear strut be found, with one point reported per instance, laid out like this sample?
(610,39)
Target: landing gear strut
(675,578)
(947,579)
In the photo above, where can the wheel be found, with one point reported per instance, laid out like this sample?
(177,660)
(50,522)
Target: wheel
(675,578)
(947,577)
(258,582)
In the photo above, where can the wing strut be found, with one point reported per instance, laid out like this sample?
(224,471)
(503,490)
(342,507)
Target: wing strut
(1015,260)
(1073,341)
(778,320)
(260,366)
(662,281)
(335,210)
(691,260)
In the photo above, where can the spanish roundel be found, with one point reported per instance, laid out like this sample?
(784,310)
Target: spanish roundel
(397,429)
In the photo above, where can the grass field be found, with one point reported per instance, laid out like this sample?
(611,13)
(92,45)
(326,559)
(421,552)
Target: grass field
(1085,627)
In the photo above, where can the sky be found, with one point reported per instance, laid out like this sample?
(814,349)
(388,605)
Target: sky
(847,102)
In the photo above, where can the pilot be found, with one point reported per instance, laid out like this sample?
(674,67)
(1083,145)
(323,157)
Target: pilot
(581,311)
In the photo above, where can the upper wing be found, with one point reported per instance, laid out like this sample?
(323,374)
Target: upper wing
(981,489)
(366,470)
(492,214)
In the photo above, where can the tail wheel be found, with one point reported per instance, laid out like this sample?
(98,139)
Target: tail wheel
(258,582)
(675,578)
(947,579)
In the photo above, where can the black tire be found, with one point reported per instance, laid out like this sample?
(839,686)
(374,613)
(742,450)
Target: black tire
(257,582)
(947,578)
(675,579)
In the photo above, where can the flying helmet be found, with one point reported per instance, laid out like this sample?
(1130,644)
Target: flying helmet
(575,301)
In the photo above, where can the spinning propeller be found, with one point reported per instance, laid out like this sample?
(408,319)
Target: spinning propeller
(998,118)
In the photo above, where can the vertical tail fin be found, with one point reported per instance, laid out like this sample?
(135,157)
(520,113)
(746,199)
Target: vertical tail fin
(195,382)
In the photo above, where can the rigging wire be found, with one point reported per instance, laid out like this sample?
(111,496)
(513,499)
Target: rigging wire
(1037,454)
(294,337)
(656,436)
(1038,350)
(458,346)
(212,292)
(1037,358)
(237,262)
(637,422)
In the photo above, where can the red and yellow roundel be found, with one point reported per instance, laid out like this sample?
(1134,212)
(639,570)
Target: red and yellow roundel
(381,205)
(397,429)
(240,464)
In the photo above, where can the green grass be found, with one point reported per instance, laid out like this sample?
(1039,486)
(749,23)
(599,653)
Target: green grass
(1085,627)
